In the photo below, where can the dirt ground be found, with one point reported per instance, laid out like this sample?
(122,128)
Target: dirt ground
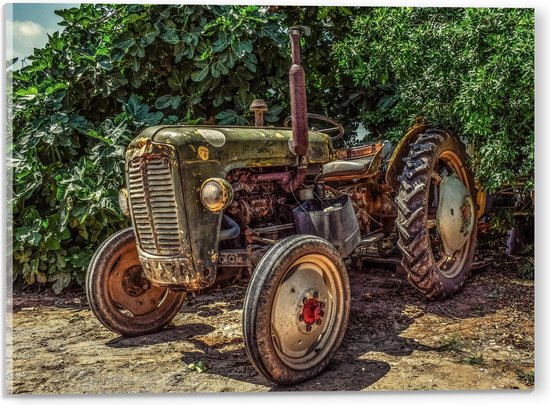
(480,339)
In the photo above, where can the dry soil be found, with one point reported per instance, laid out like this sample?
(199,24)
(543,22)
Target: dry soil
(480,339)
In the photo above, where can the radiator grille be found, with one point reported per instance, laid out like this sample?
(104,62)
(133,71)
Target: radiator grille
(151,191)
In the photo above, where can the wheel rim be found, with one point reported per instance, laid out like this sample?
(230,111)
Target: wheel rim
(129,291)
(447,164)
(307,311)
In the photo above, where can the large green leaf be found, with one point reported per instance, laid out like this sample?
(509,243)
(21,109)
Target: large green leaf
(170,36)
(167,101)
(221,43)
(240,78)
(124,41)
(230,117)
(243,99)
(94,134)
(178,78)
(242,47)
(218,68)
(61,280)
(199,75)
(133,106)
(148,35)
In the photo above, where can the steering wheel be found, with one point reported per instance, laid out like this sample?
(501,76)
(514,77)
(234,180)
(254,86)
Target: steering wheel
(336,126)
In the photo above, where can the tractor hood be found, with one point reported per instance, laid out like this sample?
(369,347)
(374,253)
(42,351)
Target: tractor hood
(235,147)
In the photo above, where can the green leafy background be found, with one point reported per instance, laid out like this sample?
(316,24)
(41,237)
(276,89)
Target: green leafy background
(115,69)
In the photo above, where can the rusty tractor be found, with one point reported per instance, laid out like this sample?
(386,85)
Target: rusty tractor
(212,205)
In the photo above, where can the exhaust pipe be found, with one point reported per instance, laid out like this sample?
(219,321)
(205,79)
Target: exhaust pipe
(298,99)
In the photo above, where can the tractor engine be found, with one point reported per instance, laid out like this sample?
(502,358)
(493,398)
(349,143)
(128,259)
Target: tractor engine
(253,201)
(257,204)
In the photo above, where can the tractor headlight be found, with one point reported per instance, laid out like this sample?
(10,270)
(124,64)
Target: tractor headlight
(216,194)
(123,202)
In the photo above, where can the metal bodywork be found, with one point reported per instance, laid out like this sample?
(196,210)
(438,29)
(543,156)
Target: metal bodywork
(166,165)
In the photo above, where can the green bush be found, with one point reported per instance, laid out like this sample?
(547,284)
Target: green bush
(470,70)
(118,68)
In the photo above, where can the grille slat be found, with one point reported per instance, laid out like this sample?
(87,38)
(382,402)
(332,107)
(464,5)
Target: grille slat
(151,190)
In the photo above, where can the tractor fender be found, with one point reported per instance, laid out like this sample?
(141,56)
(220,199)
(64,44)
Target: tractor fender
(395,165)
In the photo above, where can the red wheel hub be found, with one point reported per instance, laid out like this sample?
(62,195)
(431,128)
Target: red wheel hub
(312,311)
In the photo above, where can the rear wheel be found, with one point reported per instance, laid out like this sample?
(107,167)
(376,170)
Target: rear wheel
(296,309)
(120,295)
(437,219)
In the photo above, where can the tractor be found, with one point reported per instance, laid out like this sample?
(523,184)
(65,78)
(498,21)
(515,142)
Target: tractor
(285,210)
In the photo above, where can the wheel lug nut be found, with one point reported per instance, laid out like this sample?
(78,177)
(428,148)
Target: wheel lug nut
(319,322)
(315,294)
(304,300)
(322,304)
(308,328)
(322,313)
(301,318)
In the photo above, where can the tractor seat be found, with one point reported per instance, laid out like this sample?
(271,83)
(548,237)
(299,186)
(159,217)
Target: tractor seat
(356,168)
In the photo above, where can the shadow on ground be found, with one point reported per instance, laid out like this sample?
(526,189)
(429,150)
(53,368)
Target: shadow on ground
(171,334)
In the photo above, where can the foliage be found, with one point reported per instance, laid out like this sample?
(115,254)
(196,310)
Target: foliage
(527,377)
(470,70)
(117,68)
(198,366)
(452,344)
(526,268)
(475,359)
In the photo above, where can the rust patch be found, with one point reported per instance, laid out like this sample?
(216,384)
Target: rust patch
(178,272)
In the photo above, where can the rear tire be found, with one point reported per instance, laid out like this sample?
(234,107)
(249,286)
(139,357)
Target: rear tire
(296,309)
(433,153)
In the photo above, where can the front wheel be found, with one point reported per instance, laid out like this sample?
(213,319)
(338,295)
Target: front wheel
(296,309)
(437,214)
(120,295)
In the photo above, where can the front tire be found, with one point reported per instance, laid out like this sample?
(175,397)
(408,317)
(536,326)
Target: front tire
(436,264)
(120,296)
(296,309)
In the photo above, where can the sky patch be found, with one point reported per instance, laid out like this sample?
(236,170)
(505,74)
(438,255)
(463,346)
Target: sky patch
(28,26)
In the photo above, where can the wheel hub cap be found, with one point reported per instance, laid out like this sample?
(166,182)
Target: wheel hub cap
(129,288)
(312,312)
(304,312)
(455,220)
(134,282)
